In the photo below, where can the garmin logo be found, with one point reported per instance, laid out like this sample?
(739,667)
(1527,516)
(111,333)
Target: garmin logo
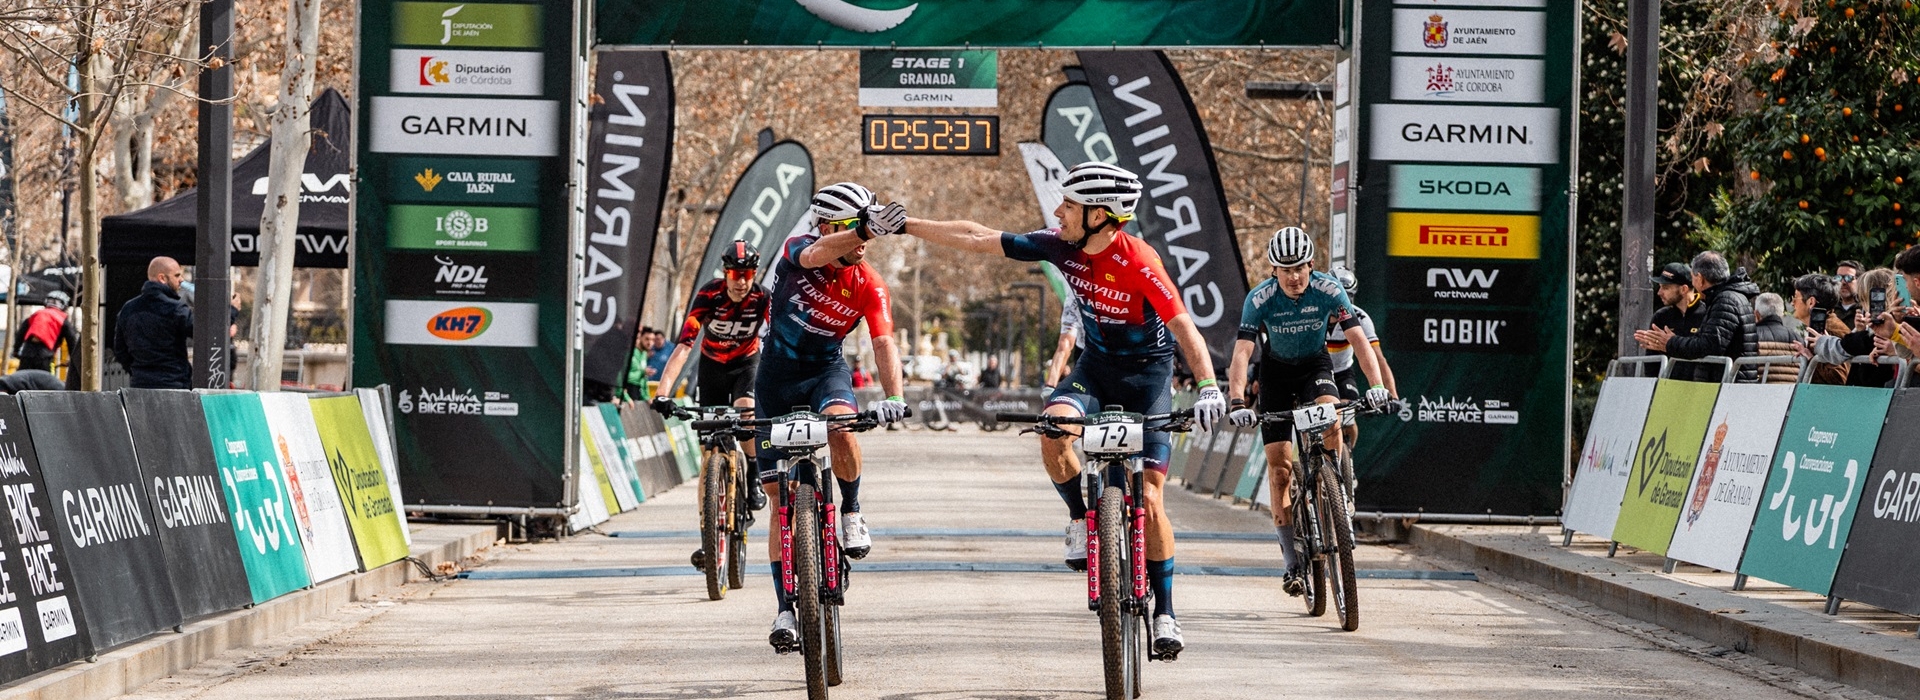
(1465,133)
(851,17)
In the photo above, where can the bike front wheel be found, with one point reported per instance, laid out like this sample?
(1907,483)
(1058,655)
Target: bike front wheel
(714,513)
(806,565)
(832,631)
(1117,625)
(1338,531)
(742,502)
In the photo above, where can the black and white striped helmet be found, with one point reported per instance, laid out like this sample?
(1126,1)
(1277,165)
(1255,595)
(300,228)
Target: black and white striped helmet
(1347,280)
(841,201)
(1097,184)
(1290,247)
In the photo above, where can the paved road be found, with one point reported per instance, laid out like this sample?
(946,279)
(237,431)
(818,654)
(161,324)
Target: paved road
(951,635)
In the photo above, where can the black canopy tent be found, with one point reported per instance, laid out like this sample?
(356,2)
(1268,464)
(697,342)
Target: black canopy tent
(129,241)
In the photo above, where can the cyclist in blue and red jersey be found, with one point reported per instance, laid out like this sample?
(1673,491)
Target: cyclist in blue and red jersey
(822,290)
(1133,324)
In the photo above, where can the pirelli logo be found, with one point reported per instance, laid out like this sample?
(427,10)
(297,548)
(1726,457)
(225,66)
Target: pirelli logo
(1432,235)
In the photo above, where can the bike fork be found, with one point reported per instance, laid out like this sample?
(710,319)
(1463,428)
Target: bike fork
(830,550)
(787,581)
(1139,533)
(1093,557)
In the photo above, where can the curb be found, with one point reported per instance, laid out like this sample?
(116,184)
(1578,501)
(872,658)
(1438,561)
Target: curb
(1812,643)
(125,669)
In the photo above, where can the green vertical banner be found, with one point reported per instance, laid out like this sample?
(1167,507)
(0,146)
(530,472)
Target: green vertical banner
(1663,463)
(1819,472)
(378,534)
(465,260)
(257,493)
(1459,214)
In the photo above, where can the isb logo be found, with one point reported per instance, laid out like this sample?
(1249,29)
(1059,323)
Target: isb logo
(464,323)
(458,224)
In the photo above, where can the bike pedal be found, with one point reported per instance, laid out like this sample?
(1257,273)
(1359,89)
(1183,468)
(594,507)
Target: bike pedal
(856,552)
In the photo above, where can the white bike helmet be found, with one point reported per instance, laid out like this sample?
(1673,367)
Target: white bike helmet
(1347,280)
(1097,184)
(841,201)
(1290,247)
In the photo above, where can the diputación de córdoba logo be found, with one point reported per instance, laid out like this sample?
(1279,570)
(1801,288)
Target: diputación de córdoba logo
(846,15)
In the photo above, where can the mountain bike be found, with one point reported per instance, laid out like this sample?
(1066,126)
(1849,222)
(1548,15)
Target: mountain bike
(1322,510)
(1113,475)
(816,572)
(726,501)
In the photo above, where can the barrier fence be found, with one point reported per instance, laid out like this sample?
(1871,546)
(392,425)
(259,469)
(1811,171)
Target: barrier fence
(1812,486)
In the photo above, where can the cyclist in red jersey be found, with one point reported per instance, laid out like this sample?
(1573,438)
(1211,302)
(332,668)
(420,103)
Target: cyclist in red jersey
(1133,322)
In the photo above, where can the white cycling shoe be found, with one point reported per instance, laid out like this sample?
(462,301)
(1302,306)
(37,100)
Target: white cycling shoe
(1077,545)
(855,540)
(785,636)
(1167,642)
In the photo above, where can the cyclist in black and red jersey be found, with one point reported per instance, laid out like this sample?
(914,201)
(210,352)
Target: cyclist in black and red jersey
(725,316)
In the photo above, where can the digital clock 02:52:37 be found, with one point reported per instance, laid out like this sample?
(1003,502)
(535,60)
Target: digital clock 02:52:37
(930,135)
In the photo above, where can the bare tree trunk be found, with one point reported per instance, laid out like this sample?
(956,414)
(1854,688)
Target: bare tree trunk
(280,221)
(7,224)
(87,360)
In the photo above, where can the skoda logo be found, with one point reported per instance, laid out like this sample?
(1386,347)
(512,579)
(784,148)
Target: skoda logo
(459,224)
(846,15)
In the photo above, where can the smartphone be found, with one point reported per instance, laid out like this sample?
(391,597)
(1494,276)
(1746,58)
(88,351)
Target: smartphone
(1877,304)
(1817,320)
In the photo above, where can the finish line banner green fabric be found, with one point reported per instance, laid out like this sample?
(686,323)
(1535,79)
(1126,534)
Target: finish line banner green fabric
(968,23)
(1663,463)
(257,494)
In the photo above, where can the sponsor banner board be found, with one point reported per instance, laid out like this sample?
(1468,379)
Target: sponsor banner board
(767,203)
(317,511)
(1663,463)
(600,441)
(189,505)
(598,466)
(451,180)
(488,25)
(1731,473)
(1449,79)
(1464,330)
(1881,563)
(1817,480)
(1460,283)
(379,420)
(1342,135)
(448,72)
(1606,458)
(39,576)
(1465,188)
(465,274)
(593,502)
(379,537)
(1466,134)
(629,152)
(474,126)
(1419,234)
(476,324)
(1072,128)
(102,514)
(929,79)
(258,495)
(617,434)
(470,228)
(1450,31)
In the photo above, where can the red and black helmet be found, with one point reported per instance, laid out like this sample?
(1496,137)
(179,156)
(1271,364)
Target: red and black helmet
(740,256)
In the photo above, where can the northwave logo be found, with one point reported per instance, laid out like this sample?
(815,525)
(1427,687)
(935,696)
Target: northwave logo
(846,15)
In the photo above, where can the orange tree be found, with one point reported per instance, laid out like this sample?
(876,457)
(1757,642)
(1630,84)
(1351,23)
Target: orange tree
(1832,147)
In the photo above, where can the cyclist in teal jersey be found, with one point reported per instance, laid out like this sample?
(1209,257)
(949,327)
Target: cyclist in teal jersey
(1294,310)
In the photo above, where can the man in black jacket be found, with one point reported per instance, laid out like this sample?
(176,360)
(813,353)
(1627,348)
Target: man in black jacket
(1726,325)
(150,335)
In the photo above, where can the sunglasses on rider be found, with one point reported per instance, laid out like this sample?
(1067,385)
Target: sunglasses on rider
(739,274)
(849,223)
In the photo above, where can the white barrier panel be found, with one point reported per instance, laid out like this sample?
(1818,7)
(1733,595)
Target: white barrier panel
(1730,474)
(1600,478)
(317,508)
(593,507)
(374,405)
(619,472)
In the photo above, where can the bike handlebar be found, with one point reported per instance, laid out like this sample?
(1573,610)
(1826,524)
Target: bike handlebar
(1355,406)
(864,420)
(1174,417)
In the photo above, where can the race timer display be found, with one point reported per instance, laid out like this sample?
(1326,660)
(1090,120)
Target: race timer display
(930,135)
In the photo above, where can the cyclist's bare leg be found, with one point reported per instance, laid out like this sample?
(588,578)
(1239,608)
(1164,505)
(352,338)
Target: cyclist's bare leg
(745,403)
(844,448)
(1159,528)
(1352,435)
(1057,453)
(1280,481)
(773,530)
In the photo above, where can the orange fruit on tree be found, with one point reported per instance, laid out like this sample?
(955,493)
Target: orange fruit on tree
(1820,153)
(1786,155)
(1803,204)
(1783,100)
(1804,138)
(1754,175)
(1849,13)
(1846,111)
(1896,206)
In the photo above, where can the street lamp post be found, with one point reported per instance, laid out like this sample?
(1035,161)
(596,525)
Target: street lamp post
(1040,307)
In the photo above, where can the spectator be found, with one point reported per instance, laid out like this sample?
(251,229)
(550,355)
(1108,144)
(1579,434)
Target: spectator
(1679,313)
(1726,323)
(30,380)
(150,334)
(1844,276)
(953,375)
(635,388)
(40,336)
(861,377)
(657,354)
(990,377)
(1814,297)
(1774,339)
(1874,330)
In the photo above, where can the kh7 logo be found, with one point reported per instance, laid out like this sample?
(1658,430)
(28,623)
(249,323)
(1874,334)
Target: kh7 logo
(464,323)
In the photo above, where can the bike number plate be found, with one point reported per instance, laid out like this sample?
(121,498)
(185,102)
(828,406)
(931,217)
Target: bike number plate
(1121,437)
(800,432)
(1313,417)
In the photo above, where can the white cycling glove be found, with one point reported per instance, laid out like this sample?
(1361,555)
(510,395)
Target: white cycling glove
(1211,407)
(891,410)
(887,220)
(1243,417)
(1377,396)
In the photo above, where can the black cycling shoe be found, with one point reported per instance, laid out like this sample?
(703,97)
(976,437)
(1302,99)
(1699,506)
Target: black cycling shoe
(759,499)
(1294,582)
(699,559)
